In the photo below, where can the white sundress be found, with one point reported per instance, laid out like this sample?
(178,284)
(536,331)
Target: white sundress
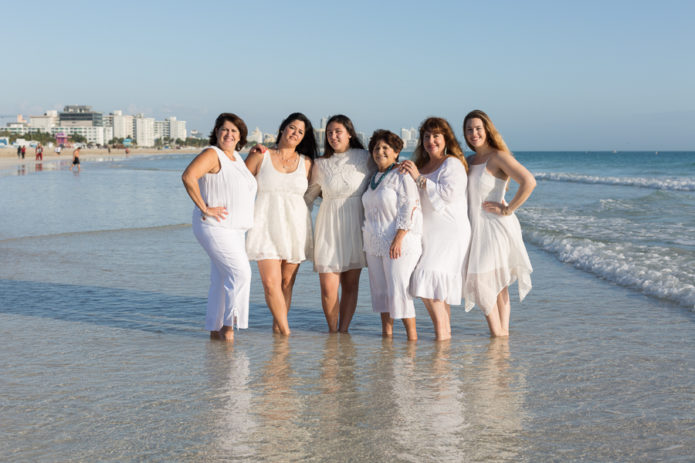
(498,256)
(282,220)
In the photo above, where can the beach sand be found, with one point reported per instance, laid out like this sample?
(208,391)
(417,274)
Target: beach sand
(8,156)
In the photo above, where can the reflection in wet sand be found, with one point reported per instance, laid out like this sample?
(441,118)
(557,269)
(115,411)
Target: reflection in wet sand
(279,405)
(231,421)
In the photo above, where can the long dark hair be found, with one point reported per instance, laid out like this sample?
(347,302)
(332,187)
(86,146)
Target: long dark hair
(355,142)
(307,146)
(237,121)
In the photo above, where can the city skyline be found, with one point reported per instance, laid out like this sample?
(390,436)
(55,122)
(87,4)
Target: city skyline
(552,75)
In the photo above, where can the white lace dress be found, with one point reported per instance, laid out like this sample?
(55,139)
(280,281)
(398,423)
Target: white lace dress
(282,220)
(498,256)
(341,179)
(446,235)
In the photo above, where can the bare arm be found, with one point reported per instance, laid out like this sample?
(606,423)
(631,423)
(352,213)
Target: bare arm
(504,163)
(206,162)
(253,161)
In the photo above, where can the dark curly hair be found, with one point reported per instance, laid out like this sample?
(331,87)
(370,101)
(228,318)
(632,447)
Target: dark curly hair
(388,137)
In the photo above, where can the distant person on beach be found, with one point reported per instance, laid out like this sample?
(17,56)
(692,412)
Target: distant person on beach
(392,234)
(24,151)
(439,170)
(19,152)
(281,236)
(341,176)
(223,191)
(498,256)
(58,149)
(39,152)
(76,160)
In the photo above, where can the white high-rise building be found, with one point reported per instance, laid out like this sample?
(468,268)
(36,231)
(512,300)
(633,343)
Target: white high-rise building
(144,130)
(122,125)
(405,135)
(256,136)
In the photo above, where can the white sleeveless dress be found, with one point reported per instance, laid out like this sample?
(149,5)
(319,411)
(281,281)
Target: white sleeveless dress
(498,256)
(282,220)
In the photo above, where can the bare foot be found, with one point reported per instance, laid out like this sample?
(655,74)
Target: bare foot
(214,335)
(227,334)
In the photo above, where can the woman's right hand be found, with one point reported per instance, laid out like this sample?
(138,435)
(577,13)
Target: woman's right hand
(258,148)
(220,213)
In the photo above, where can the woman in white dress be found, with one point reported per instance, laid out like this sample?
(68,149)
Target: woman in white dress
(281,235)
(392,234)
(223,191)
(498,256)
(341,175)
(439,170)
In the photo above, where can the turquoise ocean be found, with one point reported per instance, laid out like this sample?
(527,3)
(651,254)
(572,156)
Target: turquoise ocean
(104,354)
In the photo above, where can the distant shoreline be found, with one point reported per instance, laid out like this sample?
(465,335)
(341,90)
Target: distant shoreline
(9,159)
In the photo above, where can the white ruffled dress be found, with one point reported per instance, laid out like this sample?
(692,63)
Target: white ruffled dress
(446,234)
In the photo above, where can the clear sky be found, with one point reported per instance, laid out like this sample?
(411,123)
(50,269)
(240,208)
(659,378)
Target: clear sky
(552,75)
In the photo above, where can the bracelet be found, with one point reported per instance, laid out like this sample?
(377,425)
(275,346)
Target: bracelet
(420,181)
(506,211)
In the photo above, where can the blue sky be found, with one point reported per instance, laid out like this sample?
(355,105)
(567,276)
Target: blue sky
(553,75)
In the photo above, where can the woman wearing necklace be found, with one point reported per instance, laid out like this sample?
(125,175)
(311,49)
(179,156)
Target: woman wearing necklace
(223,191)
(281,236)
(392,234)
(341,176)
(498,256)
(439,171)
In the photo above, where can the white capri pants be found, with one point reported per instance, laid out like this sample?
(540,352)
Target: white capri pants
(230,275)
(388,284)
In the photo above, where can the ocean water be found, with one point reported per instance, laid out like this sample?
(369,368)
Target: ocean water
(104,357)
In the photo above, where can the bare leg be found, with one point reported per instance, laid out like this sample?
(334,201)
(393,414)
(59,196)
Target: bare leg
(330,282)
(440,318)
(271,276)
(214,335)
(411,332)
(227,334)
(386,325)
(498,318)
(350,285)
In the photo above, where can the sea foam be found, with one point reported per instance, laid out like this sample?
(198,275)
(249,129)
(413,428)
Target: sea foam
(666,183)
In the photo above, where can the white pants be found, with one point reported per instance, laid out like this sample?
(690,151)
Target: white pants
(388,284)
(230,275)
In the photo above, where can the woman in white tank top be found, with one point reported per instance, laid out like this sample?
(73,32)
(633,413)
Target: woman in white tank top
(281,237)
(223,191)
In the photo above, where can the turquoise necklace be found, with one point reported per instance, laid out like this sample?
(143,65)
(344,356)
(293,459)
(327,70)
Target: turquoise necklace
(375,183)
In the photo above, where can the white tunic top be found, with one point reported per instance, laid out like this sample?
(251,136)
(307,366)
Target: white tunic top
(341,178)
(446,234)
(233,187)
(282,220)
(394,205)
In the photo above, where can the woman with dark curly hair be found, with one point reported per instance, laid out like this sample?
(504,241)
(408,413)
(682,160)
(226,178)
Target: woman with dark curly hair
(223,191)
(392,234)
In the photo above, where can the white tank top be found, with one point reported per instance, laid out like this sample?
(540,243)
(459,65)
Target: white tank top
(233,187)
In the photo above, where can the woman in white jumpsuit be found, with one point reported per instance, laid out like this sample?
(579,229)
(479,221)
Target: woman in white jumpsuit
(223,191)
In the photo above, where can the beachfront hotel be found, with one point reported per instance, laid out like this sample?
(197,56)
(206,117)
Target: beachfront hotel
(98,128)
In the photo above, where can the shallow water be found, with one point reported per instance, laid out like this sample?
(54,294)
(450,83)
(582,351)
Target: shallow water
(105,357)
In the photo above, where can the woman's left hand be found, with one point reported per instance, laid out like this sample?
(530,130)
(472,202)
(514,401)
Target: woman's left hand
(409,167)
(493,207)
